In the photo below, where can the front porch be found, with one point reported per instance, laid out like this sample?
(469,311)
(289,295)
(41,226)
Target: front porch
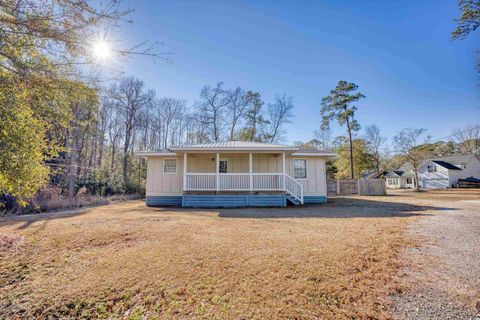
(247,175)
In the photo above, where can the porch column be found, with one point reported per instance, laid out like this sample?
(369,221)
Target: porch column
(283,171)
(217,172)
(250,170)
(185,171)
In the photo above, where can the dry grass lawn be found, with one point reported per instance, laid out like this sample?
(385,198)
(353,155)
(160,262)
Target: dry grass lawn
(129,261)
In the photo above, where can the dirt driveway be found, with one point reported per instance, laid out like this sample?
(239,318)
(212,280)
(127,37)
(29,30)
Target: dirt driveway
(342,260)
(444,271)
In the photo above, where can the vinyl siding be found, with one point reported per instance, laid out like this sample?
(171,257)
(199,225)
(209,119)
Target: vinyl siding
(230,201)
(160,184)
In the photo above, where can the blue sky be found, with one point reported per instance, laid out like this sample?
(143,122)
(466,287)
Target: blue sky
(398,52)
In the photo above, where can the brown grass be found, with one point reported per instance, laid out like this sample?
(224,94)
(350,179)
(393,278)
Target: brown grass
(129,261)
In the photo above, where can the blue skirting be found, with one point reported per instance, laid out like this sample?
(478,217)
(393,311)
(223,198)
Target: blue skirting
(235,200)
(314,199)
(163,200)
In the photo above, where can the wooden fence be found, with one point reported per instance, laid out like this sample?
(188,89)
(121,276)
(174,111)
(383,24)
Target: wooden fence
(364,187)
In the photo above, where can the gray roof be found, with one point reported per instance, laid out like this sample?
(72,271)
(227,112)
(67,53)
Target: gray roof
(448,162)
(446,165)
(312,150)
(235,145)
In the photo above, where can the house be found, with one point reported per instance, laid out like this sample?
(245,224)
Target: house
(435,173)
(235,174)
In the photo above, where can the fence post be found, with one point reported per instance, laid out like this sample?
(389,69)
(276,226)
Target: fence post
(358,186)
(338,187)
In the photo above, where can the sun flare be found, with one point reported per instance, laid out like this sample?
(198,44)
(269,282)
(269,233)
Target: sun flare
(101,49)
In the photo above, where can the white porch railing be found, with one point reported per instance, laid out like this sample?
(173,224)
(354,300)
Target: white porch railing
(201,181)
(268,181)
(294,188)
(241,182)
(234,181)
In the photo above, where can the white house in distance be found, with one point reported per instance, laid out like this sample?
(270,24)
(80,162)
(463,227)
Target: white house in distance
(435,173)
(235,174)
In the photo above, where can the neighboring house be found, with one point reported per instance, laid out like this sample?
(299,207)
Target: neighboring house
(435,173)
(235,174)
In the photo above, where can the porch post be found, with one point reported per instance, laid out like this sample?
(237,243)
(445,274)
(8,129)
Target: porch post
(185,171)
(283,171)
(250,170)
(217,172)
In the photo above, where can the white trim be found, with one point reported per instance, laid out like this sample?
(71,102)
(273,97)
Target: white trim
(293,167)
(176,166)
(230,150)
(227,161)
(250,170)
(217,171)
(155,153)
(306,154)
(184,170)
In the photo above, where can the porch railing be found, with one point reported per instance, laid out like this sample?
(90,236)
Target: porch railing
(201,181)
(244,182)
(234,181)
(294,188)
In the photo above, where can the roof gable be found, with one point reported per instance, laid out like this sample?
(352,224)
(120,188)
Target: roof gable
(446,165)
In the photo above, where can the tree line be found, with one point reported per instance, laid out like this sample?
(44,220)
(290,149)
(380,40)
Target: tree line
(128,117)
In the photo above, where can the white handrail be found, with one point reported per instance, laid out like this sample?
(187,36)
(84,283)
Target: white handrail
(294,188)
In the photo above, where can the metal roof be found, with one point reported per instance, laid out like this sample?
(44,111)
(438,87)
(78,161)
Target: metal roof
(234,145)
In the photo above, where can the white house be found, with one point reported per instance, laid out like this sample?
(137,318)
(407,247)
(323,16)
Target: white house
(435,173)
(235,174)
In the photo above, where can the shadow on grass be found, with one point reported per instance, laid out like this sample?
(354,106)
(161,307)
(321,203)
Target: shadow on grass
(335,208)
(29,219)
(338,207)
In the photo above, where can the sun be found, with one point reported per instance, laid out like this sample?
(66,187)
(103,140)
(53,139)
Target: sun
(101,50)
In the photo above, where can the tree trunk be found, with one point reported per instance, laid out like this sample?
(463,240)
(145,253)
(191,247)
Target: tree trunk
(126,147)
(417,186)
(352,173)
(72,173)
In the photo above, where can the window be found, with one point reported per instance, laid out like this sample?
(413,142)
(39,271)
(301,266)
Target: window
(392,182)
(432,168)
(409,180)
(223,166)
(300,168)
(170,166)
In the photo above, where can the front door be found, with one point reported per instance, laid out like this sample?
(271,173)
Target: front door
(223,166)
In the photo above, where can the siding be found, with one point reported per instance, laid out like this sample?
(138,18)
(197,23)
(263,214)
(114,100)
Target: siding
(316,182)
(229,201)
(163,201)
(314,199)
(472,170)
(160,184)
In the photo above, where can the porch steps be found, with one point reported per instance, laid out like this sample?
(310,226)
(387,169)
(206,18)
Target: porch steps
(292,200)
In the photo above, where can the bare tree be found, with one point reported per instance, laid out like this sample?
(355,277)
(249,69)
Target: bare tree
(279,113)
(213,103)
(468,138)
(407,143)
(323,138)
(129,97)
(237,106)
(171,109)
(375,142)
